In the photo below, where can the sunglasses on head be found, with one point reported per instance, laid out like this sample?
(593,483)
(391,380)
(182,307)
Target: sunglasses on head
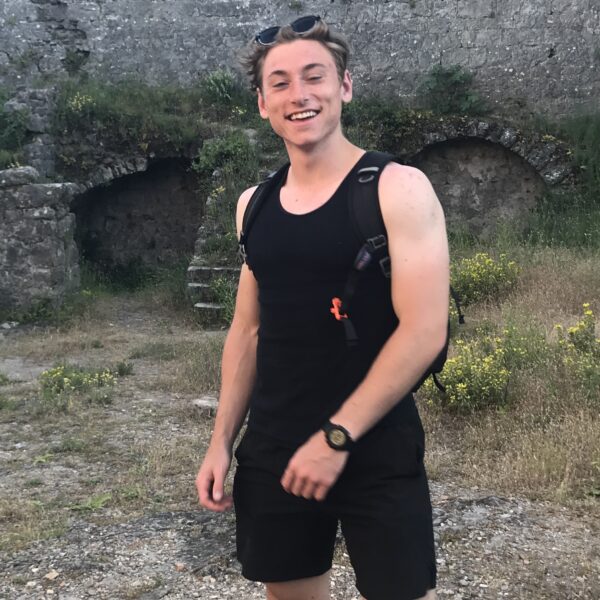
(299,26)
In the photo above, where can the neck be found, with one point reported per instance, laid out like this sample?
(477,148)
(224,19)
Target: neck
(319,164)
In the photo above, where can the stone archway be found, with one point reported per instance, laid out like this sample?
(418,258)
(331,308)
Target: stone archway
(485,171)
(480,184)
(148,218)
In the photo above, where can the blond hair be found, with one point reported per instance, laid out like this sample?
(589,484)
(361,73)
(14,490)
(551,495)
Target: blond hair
(253,59)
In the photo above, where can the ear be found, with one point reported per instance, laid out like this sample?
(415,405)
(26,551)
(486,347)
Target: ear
(262,109)
(347,87)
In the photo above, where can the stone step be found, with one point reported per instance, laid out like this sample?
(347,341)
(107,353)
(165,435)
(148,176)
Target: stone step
(200,292)
(210,314)
(208,306)
(203,274)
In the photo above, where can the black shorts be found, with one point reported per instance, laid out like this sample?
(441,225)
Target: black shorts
(381,500)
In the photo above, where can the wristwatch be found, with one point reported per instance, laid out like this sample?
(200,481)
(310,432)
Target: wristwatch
(337,437)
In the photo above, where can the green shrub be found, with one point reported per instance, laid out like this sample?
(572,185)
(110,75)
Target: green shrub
(63,386)
(223,248)
(383,123)
(225,290)
(227,165)
(224,96)
(13,134)
(447,90)
(478,373)
(475,377)
(123,368)
(68,378)
(481,277)
(219,87)
(579,352)
(231,153)
(525,347)
(4,380)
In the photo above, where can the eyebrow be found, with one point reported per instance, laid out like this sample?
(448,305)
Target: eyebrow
(280,72)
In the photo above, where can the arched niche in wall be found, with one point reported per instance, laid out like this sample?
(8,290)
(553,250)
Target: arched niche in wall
(148,218)
(480,184)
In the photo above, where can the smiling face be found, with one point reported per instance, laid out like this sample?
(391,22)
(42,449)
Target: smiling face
(302,93)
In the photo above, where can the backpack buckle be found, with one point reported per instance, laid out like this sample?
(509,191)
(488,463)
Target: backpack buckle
(367,174)
(242,253)
(336,309)
(379,241)
(386,266)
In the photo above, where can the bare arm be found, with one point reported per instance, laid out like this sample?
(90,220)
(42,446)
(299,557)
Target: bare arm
(238,371)
(420,280)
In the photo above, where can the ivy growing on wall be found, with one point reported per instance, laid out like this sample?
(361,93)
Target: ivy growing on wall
(448,90)
(13,133)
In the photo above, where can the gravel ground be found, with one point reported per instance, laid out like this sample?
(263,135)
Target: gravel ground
(489,546)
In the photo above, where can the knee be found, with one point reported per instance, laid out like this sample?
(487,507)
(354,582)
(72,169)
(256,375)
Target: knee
(317,589)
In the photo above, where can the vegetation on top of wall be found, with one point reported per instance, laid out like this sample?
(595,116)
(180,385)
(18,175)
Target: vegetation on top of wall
(448,90)
(131,112)
(224,96)
(137,118)
(134,110)
(13,133)
(383,123)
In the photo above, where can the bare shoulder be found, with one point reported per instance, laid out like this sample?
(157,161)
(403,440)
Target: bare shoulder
(408,200)
(241,206)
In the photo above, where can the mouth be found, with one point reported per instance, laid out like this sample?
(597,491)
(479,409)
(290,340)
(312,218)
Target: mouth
(303,116)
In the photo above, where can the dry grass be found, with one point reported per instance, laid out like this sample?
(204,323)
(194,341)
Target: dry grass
(24,521)
(197,369)
(546,443)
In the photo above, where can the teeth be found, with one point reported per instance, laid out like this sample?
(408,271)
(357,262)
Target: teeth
(303,115)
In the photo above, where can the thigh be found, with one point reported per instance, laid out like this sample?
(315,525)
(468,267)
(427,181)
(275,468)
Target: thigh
(279,537)
(385,511)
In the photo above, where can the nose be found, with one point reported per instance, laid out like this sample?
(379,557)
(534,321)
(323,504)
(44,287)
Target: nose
(298,93)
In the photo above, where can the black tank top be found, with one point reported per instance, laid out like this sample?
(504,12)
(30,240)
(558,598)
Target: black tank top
(305,369)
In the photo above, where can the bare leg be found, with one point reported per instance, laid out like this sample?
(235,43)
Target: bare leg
(310,588)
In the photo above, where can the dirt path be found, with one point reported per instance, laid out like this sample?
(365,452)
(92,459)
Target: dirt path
(98,502)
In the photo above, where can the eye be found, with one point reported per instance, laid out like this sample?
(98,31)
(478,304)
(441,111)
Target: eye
(315,78)
(280,84)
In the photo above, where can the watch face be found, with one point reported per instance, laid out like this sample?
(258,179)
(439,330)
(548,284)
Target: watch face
(337,437)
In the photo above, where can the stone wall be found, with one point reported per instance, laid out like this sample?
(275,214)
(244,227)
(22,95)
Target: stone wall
(38,255)
(541,55)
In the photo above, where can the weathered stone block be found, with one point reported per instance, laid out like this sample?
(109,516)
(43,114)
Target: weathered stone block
(19,176)
(38,256)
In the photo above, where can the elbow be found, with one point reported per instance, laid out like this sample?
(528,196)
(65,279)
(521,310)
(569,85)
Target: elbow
(430,337)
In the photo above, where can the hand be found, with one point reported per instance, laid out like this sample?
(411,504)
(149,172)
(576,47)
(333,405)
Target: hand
(313,469)
(211,478)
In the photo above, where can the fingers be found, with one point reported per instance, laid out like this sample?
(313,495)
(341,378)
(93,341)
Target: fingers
(211,493)
(304,487)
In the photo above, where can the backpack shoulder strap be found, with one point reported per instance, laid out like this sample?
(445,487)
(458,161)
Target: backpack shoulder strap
(365,212)
(256,202)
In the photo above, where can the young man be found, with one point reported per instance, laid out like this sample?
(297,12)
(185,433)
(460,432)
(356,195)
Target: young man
(333,433)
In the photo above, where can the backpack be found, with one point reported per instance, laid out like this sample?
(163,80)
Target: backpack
(365,215)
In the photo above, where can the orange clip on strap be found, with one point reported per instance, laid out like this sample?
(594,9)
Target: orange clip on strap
(335,310)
